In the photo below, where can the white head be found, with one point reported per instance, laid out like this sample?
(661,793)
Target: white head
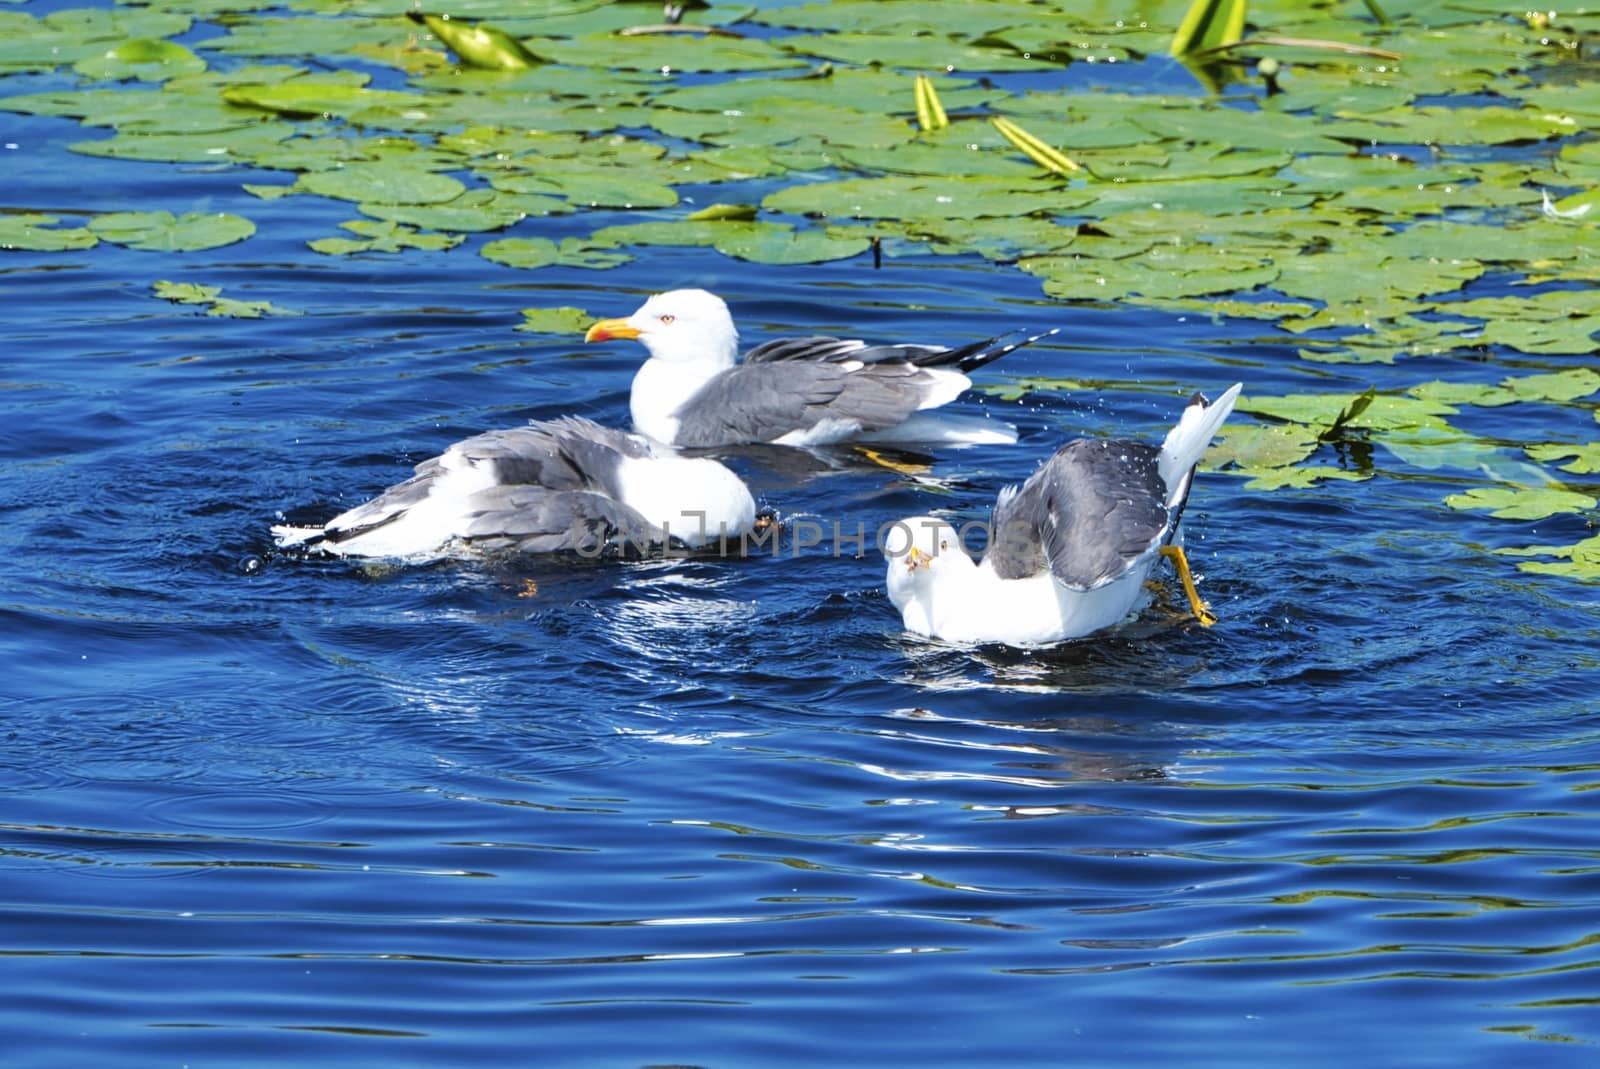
(922,551)
(680,326)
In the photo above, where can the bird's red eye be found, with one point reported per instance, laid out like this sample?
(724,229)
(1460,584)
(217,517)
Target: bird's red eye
(667,318)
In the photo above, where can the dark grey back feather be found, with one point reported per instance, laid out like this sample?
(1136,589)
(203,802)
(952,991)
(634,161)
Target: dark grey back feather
(556,485)
(1089,512)
(763,401)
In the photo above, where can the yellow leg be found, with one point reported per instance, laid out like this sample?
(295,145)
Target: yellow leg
(900,466)
(1180,561)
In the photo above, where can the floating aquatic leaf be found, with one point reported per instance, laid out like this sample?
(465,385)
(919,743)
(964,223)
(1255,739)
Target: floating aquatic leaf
(1384,412)
(475,211)
(910,51)
(1300,478)
(1553,386)
(1019,386)
(1261,446)
(542,252)
(1362,275)
(842,88)
(1435,125)
(1574,336)
(147,59)
(377,183)
(210,146)
(277,35)
(1523,502)
(960,18)
(1579,561)
(779,243)
(1585,457)
(1163,271)
(163,232)
(563,320)
(39,233)
(306,98)
(663,53)
(214,303)
(482,45)
(914,197)
(382,236)
(590,186)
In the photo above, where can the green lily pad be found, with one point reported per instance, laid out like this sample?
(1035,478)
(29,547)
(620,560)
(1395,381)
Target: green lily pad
(235,145)
(382,236)
(39,233)
(779,243)
(917,197)
(590,186)
(542,252)
(214,303)
(1385,412)
(1362,275)
(377,183)
(277,35)
(666,53)
(1585,457)
(308,99)
(1579,561)
(163,232)
(562,320)
(147,59)
(1161,271)
(1299,478)
(1436,125)
(1522,502)
(1258,447)
(1016,387)
(1553,386)
(913,51)
(759,242)
(475,211)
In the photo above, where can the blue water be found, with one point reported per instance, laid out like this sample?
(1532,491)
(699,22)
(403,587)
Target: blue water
(257,810)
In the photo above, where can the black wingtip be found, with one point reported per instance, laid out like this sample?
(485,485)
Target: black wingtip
(987,352)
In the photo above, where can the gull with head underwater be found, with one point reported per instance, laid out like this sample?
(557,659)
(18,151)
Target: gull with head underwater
(1069,550)
(565,485)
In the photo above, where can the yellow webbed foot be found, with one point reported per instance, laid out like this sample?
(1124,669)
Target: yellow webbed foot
(1180,561)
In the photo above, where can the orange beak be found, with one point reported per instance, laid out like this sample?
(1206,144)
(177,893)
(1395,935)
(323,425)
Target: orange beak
(607,329)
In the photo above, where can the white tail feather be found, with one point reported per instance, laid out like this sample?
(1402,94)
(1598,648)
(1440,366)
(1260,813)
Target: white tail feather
(1186,443)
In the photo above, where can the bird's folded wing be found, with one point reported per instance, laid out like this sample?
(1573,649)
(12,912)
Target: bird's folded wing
(534,519)
(1089,512)
(762,402)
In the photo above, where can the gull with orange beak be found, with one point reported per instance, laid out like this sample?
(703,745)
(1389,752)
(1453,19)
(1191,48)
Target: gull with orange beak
(694,392)
(1069,550)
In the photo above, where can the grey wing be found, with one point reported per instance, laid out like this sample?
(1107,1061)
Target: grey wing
(1089,512)
(568,454)
(764,401)
(534,519)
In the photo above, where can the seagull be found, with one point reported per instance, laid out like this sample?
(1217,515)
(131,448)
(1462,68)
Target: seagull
(562,485)
(1069,550)
(810,391)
